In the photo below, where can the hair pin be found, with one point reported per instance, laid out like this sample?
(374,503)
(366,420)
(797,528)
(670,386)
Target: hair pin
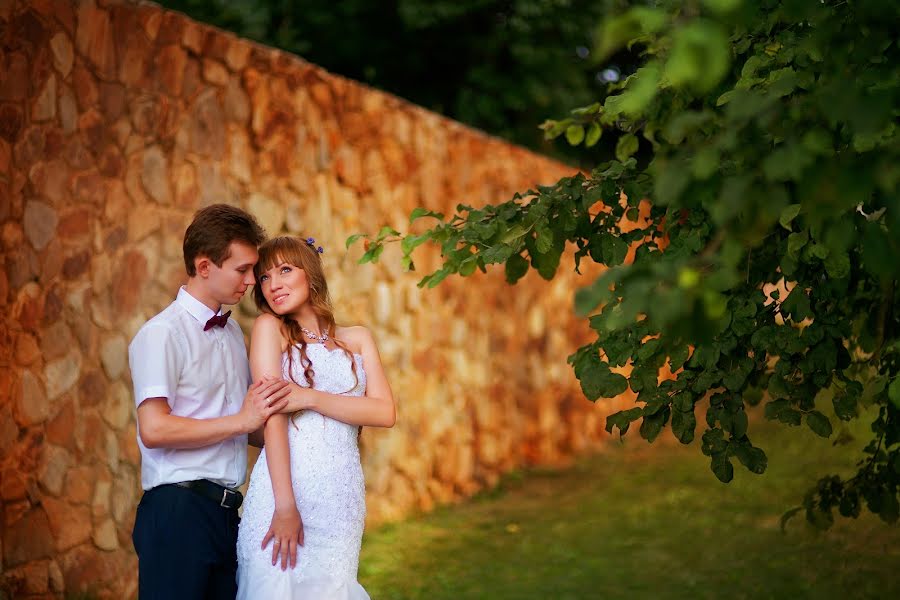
(311,242)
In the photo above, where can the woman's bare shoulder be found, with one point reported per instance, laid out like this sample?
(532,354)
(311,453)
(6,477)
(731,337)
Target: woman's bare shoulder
(267,322)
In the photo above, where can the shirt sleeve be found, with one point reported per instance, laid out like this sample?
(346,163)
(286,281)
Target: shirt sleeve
(242,360)
(155,360)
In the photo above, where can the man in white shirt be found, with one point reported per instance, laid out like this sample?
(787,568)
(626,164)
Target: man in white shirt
(194,412)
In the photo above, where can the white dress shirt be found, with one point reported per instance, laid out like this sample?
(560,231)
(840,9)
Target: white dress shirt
(203,375)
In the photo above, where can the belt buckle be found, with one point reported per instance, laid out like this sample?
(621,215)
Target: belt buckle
(224,498)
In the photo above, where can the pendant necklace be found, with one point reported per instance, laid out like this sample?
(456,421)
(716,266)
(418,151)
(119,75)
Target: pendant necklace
(323,338)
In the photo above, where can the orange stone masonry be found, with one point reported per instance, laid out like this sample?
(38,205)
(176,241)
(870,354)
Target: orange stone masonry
(118,120)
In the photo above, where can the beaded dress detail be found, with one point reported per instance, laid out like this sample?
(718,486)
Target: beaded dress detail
(329,489)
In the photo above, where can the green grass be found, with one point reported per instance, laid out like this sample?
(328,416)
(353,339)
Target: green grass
(641,521)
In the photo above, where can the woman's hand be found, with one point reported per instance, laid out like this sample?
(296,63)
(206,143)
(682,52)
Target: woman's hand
(287,532)
(299,398)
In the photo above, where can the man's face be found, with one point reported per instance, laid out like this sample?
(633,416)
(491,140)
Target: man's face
(228,283)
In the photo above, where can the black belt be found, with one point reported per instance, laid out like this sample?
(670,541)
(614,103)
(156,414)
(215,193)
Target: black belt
(221,495)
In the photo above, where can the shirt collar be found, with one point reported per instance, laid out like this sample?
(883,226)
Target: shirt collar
(194,307)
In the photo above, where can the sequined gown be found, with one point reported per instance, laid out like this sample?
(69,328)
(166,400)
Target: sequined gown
(329,490)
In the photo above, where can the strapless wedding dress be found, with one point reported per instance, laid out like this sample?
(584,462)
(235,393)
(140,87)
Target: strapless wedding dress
(330,492)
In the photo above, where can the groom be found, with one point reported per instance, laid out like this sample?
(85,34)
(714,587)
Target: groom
(194,411)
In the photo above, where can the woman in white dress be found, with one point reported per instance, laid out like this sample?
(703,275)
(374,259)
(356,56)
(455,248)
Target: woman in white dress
(302,524)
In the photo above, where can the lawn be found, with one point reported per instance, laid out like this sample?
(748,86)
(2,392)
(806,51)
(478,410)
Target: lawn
(639,521)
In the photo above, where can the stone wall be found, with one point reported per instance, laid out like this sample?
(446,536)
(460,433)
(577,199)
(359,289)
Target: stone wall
(117,121)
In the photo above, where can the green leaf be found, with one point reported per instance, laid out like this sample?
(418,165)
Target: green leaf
(626,146)
(837,264)
(670,182)
(497,253)
(544,240)
(706,162)
(614,250)
(787,516)
(754,459)
(574,134)
(818,141)
(468,266)
(372,254)
(878,257)
(411,242)
(592,109)
(678,356)
(796,241)
(614,32)
(845,405)
(722,467)
(437,277)
(789,214)
(894,392)
(593,135)
(714,442)
(739,424)
(385,232)
(596,379)
(419,212)
(819,423)
(553,129)
(546,263)
(512,234)
(652,425)
(818,250)
(683,124)
(683,425)
(640,90)
(725,98)
(797,304)
(516,267)
(700,56)
(781,410)
(622,420)
(353,239)
(782,82)
(787,162)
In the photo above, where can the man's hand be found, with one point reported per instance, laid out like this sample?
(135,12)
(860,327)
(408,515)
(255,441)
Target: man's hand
(287,532)
(263,399)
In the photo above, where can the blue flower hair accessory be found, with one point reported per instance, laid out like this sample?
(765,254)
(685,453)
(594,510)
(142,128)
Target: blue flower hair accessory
(311,242)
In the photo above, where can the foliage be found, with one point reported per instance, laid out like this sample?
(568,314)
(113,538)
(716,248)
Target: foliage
(763,265)
(483,62)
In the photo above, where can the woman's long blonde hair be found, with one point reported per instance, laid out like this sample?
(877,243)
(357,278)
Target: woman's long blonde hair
(299,253)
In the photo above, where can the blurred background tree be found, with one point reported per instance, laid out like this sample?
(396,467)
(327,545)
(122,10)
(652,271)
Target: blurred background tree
(502,66)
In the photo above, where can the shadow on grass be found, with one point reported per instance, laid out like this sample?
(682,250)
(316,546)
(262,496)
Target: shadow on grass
(639,521)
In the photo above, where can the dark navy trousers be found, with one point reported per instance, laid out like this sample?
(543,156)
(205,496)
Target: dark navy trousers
(186,546)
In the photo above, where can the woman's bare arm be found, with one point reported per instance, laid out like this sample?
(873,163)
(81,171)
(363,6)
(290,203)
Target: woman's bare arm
(375,409)
(286,528)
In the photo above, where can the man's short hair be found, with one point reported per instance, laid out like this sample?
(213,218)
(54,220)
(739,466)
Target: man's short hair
(213,230)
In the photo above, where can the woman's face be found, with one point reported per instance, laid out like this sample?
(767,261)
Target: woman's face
(285,288)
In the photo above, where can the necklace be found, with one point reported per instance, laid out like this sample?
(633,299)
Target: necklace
(323,338)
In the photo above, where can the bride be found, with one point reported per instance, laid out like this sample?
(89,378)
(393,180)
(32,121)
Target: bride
(307,495)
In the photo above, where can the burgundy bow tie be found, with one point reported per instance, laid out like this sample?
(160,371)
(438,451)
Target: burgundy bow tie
(217,321)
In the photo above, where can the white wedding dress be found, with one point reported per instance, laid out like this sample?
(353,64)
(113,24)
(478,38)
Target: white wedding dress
(330,492)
